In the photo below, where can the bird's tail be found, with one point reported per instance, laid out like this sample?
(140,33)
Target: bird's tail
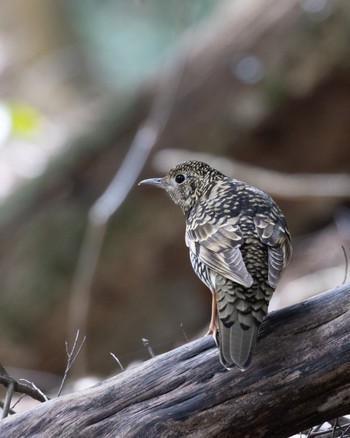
(236,344)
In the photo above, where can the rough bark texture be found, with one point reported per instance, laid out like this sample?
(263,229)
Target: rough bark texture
(300,376)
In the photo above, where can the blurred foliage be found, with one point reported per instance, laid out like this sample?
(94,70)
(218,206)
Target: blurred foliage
(24,119)
(127,41)
(40,281)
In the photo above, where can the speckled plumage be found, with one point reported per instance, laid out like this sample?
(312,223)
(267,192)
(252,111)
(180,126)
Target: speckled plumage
(239,245)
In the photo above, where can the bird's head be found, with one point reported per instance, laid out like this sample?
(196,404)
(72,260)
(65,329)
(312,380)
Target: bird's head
(186,182)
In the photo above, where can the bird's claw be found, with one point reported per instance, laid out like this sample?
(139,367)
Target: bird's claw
(213,330)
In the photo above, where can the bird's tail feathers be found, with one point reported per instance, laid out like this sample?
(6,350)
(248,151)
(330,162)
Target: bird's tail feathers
(237,344)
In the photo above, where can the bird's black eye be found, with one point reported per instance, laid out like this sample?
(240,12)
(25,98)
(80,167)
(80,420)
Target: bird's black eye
(179,178)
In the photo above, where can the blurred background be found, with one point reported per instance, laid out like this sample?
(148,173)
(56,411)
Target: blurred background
(260,90)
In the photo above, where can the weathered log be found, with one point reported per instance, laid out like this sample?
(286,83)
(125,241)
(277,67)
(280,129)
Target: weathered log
(300,376)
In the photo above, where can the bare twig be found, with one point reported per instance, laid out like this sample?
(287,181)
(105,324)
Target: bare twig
(184,333)
(335,425)
(339,427)
(346,431)
(11,411)
(33,386)
(21,386)
(148,346)
(346,264)
(82,281)
(8,398)
(320,433)
(17,402)
(17,386)
(313,431)
(3,371)
(71,356)
(117,360)
(24,388)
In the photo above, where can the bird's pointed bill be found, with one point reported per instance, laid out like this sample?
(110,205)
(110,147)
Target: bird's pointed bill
(157,182)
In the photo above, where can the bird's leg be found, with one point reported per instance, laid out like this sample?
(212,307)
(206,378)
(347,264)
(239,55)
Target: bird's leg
(213,328)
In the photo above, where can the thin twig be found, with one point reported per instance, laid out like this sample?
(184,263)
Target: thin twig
(320,433)
(346,431)
(33,386)
(313,430)
(71,357)
(22,386)
(183,332)
(8,398)
(11,411)
(17,402)
(148,346)
(3,371)
(83,278)
(346,264)
(335,425)
(117,360)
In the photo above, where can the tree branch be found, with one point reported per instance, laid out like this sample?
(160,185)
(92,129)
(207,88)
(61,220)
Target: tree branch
(300,376)
(284,185)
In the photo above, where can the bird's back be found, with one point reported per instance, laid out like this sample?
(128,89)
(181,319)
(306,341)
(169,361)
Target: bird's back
(231,258)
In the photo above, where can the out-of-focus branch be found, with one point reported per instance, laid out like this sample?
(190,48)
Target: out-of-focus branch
(108,203)
(294,186)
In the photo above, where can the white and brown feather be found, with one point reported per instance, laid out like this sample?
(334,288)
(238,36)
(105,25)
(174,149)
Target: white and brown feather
(239,245)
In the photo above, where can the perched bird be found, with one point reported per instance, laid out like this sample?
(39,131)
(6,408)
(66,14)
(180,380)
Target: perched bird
(239,245)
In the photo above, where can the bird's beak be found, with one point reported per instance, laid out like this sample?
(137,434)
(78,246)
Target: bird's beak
(157,182)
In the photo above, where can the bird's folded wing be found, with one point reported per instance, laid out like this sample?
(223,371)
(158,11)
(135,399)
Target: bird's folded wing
(218,246)
(273,233)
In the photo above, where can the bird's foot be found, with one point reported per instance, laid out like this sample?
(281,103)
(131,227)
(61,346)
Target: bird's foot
(213,330)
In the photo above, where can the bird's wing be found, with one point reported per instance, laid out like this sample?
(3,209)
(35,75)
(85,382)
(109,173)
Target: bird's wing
(218,246)
(273,233)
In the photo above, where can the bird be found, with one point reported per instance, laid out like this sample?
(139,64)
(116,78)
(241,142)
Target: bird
(239,245)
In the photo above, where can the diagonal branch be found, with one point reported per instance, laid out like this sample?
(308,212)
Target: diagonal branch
(21,385)
(300,376)
(108,203)
(283,185)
